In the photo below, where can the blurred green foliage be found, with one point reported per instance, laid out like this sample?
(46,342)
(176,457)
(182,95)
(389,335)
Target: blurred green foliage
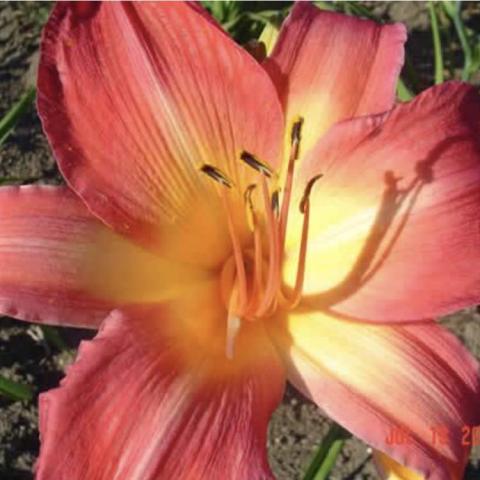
(15,390)
(246,20)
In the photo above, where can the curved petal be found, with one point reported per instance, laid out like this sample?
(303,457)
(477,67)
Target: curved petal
(394,231)
(145,400)
(389,469)
(330,67)
(135,97)
(59,264)
(407,390)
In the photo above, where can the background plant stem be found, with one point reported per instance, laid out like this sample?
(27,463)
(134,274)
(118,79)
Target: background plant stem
(15,113)
(327,453)
(437,44)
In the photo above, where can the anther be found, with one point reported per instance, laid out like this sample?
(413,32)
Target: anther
(247,196)
(256,164)
(276,203)
(295,135)
(308,190)
(216,174)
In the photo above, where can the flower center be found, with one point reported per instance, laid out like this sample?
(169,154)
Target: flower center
(251,279)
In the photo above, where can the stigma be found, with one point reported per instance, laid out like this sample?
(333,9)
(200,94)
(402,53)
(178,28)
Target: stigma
(253,286)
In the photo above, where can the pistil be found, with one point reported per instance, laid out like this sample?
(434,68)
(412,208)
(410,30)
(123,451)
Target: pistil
(233,324)
(252,221)
(241,302)
(302,257)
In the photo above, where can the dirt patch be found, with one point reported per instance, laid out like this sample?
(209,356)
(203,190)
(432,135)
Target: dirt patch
(297,426)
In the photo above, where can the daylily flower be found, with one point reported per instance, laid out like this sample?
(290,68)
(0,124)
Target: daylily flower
(244,229)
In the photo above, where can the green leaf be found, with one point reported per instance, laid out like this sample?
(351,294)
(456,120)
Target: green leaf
(359,10)
(15,113)
(476,57)
(16,180)
(327,453)
(14,390)
(404,94)
(451,7)
(267,17)
(326,5)
(53,337)
(453,10)
(224,11)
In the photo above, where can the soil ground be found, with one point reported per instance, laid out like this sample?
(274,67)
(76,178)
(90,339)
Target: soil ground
(297,426)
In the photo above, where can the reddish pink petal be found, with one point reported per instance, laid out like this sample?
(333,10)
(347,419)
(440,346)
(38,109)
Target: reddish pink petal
(329,67)
(59,264)
(143,403)
(44,233)
(135,97)
(415,382)
(395,232)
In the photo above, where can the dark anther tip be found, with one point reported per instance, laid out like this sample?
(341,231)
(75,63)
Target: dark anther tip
(295,135)
(256,164)
(216,174)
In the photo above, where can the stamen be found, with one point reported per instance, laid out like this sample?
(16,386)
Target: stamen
(256,164)
(247,196)
(302,257)
(308,189)
(238,256)
(220,177)
(257,274)
(273,260)
(295,136)
(216,174)
(258,259)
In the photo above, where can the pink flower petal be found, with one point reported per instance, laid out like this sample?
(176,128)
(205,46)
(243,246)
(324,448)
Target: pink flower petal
(61,265)
(407,390)
(135,97)
(147,399)
(329,67)
(395,232)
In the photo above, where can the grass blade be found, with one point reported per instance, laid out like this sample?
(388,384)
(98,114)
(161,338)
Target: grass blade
(437,44)
(403,92)
(453,10)
(326,455)
(15,113)
(53,337)
(14,390)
